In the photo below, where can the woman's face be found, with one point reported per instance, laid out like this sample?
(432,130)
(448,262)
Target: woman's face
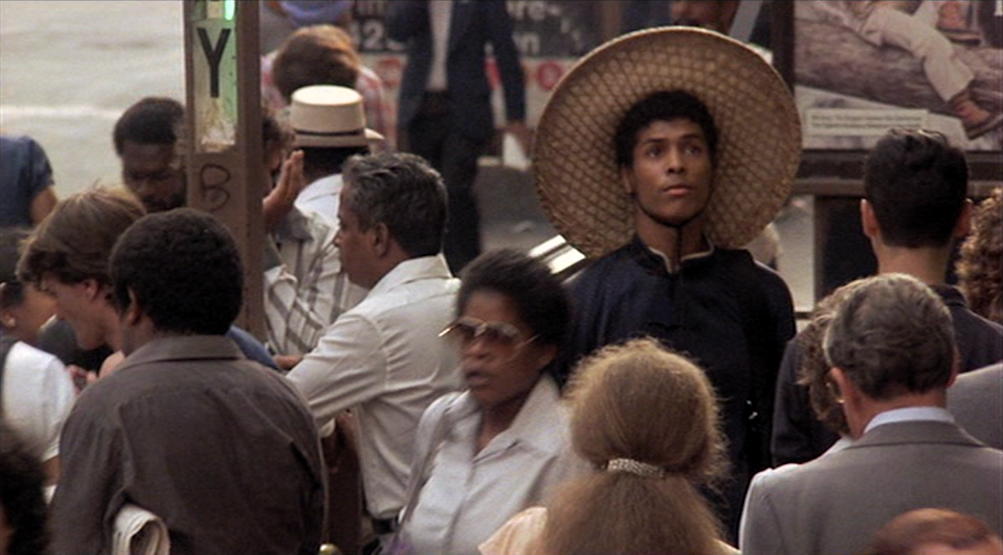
(500,357)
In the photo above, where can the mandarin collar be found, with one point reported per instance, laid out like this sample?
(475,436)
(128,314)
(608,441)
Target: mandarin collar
(654,260)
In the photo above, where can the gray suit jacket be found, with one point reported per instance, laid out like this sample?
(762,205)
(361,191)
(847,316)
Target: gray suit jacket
(833,505)
(976,401)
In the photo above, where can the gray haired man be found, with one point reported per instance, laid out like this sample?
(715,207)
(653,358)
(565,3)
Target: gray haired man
(383,358)
(892,351)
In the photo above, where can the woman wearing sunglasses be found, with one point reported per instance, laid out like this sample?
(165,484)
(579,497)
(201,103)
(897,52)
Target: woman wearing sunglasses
(647,420)
(485,454)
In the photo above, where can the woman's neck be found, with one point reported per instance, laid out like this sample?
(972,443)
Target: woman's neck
(498,418)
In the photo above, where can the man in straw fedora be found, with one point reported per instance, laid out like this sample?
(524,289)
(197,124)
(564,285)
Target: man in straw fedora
(658,156)
(306,287)
(330,126)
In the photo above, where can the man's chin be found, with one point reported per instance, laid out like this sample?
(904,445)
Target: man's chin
(162,205)
(86,344)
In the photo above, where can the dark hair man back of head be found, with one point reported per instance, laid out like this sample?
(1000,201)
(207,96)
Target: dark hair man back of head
(402,192)
(147,138)
(917,183)
(197,291)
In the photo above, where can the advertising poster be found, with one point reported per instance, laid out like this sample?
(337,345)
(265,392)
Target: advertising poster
(864,66)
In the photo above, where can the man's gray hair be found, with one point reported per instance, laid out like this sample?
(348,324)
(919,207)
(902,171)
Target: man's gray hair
(403,192)
(892,335)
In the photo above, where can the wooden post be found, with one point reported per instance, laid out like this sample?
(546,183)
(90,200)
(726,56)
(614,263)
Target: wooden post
(223,117)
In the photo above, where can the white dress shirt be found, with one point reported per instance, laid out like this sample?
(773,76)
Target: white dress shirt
(469,495)
(385,360)
(37,397)
(305,289)
(439,14)
(909,414)
(321,197)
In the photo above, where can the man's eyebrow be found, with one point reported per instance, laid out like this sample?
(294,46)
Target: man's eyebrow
(686,137)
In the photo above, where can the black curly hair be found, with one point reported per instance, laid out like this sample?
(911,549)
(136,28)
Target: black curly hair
(662,106)
(917,183)
(184,270)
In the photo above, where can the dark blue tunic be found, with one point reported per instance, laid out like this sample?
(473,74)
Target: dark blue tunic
(729,314)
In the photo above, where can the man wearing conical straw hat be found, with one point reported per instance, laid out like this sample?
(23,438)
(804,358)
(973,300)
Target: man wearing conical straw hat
(658,156)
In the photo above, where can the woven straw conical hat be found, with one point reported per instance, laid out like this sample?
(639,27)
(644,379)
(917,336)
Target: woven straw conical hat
(759,134)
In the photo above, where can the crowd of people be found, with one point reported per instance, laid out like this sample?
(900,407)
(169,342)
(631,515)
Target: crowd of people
(661,402)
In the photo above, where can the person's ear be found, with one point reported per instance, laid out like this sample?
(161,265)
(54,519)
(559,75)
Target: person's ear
(93,289)
(7,318)
(627,180)
(868,220)
(963,226)
(545,355)
(844,386)
(132,313)
(379,239)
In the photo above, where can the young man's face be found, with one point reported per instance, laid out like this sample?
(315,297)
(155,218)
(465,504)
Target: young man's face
(154,173)
(672,172)
(82,305)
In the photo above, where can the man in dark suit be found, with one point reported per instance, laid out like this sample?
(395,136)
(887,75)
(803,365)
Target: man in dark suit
(444,114)
(892,351)
(915,209)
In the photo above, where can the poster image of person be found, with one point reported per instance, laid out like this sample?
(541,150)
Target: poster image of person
(864,66)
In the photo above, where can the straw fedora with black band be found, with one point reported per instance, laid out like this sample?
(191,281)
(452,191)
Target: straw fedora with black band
(759,135)
(328,116)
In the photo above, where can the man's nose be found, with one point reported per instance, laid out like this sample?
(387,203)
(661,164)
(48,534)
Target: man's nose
(674,161)
(475,348)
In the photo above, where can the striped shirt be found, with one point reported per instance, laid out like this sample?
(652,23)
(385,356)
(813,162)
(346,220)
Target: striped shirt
(305,289)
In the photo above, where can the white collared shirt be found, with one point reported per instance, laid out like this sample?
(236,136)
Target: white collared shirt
(321,197)
(37,397)
(470,495)
(909,414)
(385,360)
(439,14)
